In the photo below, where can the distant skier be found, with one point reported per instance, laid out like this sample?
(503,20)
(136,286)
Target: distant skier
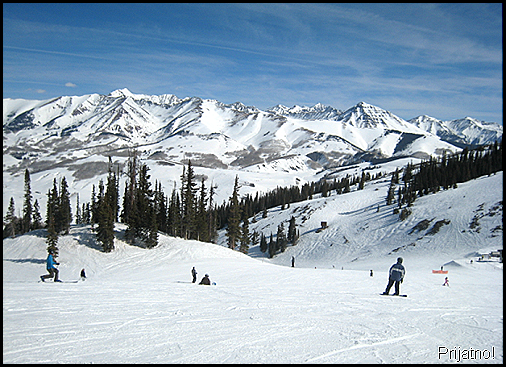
(194,274)
(83,274)
(446,282)
(293,262)
(371,273)
(205,280)
(396,275)
(50,266)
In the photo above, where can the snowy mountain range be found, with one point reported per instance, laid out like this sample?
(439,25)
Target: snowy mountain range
(75,135)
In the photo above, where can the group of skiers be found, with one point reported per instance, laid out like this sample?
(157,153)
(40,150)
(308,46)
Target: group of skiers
(396,274)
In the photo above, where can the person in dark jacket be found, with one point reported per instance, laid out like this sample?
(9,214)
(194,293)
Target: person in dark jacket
(83,274)
(205,280)
(50,266)
(194,274)
(396,275)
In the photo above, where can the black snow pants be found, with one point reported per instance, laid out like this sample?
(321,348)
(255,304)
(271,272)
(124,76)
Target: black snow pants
(53,272)
(397,286)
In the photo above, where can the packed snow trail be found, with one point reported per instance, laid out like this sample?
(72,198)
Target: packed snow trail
(147,310)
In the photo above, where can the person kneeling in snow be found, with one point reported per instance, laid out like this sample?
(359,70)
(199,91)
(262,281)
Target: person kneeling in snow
(205,280)
(396,275)
(50,267)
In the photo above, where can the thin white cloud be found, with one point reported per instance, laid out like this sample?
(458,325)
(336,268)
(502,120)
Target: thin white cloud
(71,85)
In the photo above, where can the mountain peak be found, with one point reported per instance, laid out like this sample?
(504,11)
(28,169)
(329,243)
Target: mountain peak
(124,92)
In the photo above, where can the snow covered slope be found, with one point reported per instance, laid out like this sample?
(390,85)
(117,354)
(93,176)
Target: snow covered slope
(139,306)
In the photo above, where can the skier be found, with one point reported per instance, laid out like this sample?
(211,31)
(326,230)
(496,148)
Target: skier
(194,274)
(293,262)
(396,275)
(371,273)
(205,280)
(50,266)
(446,282)
(83,274)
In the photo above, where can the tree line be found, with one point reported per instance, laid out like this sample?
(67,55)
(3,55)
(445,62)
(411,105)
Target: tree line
(435,174)
(192,213)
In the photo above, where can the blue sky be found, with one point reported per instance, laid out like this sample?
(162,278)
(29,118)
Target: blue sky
(443,60)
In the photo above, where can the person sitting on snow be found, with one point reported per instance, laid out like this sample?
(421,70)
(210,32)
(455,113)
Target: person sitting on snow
(205,280)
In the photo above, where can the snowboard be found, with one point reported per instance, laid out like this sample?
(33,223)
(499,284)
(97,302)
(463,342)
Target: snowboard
(398,295)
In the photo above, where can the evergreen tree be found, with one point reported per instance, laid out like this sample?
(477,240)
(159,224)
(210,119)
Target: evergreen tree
(52,236)
(27,205)
(362,181)
(263,243)
(143,226)
(10,220)
(37,218)
(64,210)
(174,215)
(112,195)
(281,240)
(78,211)
(105,217)
(272,247)
(244,240)
(189,203)
(52,207)
(201,215)
(234,218)
(211,219)
(292,231)
(129,195)
(93,206)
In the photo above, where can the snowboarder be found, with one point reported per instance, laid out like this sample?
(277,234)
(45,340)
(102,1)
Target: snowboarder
(446,282)
(293,262)
(50,266)
(194,274)
(396,275)
(83,274)
(205,280)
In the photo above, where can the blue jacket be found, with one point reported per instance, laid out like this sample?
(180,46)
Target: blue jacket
(397,272)
(50,263)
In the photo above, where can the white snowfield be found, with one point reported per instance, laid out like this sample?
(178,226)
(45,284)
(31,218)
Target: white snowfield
(139,305)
